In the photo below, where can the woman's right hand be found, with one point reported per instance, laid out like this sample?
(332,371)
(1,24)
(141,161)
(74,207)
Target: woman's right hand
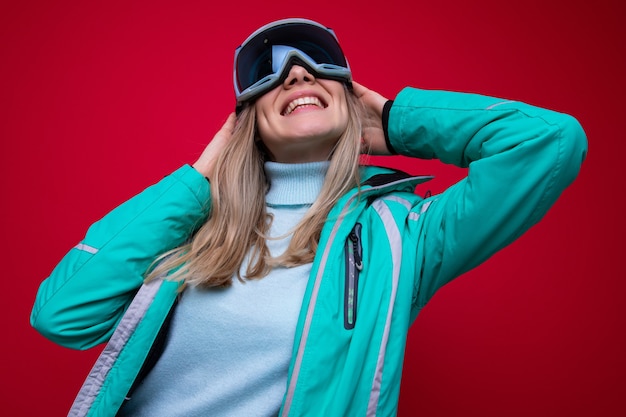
(206,162)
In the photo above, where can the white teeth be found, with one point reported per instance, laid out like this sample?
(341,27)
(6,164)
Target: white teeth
(303,101)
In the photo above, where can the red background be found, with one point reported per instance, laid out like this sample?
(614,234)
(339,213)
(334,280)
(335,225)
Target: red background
(100,99)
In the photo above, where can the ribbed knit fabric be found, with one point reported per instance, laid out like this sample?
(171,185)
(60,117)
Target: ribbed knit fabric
(229,349)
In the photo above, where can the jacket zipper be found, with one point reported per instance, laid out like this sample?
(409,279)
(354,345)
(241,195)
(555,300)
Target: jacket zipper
(354,265)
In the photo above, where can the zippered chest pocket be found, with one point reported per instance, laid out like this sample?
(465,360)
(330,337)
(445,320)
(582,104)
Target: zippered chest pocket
(354,264)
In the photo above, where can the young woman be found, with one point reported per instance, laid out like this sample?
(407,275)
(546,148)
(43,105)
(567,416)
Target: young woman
(280,276)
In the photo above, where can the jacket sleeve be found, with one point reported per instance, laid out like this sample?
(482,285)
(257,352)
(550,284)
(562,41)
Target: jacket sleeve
(519,157)
(81,302)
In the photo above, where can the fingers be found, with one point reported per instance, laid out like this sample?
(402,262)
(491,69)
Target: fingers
(373,137)
(370,98)
(206,162)
(359,89)
(229,125)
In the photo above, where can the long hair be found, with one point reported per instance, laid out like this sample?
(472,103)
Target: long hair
(238,222)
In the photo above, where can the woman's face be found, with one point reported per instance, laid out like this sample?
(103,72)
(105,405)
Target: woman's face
(302,119)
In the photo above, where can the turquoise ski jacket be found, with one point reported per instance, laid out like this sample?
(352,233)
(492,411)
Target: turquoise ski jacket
(384,251)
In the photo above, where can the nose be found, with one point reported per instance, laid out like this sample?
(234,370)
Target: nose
(298,74)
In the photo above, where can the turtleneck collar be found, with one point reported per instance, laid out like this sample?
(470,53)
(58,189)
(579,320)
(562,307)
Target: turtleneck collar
(294,184)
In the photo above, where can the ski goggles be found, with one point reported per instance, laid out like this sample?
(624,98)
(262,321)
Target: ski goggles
(264,59)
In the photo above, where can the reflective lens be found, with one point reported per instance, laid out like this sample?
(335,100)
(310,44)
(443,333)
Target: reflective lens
(263,58)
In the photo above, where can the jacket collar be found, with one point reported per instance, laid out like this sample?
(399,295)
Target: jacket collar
(379,180)
(376,181)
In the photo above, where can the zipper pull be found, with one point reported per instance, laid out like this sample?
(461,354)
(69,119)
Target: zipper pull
(356,250)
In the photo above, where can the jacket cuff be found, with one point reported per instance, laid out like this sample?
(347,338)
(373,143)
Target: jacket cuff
(195,182)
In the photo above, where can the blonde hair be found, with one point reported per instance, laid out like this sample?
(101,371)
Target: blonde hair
(238,223)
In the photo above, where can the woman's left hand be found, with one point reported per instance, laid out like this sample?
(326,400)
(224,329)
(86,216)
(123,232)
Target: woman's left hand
(373,140)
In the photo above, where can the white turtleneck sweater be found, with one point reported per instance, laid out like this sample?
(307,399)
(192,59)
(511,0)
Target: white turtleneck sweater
(228,350)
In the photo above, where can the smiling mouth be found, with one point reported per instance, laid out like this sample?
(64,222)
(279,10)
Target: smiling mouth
(303,102)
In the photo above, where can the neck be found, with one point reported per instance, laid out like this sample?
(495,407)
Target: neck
(294,184)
